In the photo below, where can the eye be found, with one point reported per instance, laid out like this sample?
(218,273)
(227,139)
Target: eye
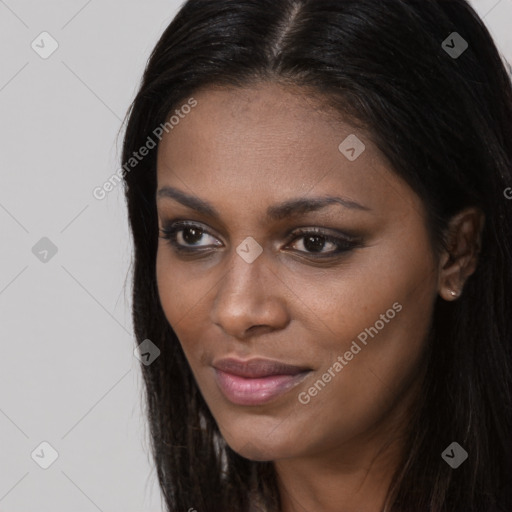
(314,241)
(186,236)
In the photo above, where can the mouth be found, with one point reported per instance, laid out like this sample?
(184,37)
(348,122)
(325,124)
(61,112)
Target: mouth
(256,381)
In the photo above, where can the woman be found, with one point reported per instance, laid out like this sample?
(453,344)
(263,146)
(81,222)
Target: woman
(323,256)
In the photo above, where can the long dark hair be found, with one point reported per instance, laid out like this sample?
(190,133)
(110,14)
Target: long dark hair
(444,122)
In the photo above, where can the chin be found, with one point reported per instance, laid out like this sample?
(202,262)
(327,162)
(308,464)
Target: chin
(263,452)
(256,443)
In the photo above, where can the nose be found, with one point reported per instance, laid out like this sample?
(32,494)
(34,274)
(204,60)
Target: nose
(250,298)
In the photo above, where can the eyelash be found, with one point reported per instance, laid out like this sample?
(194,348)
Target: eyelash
(343,244)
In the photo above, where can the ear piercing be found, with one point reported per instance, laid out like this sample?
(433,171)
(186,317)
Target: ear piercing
(453,293)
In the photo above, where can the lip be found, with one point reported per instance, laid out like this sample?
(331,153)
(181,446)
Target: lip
(256,381)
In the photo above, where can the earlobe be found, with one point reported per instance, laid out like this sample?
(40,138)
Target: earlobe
(460,259)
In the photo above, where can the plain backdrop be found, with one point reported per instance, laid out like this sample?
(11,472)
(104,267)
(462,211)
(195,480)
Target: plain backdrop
(68,375)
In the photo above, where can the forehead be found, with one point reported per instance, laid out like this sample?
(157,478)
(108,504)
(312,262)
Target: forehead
(272,142)
(278,118)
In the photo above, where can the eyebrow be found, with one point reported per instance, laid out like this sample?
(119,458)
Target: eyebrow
(289,208)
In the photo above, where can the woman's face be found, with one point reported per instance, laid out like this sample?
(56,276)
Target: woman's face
(340,290)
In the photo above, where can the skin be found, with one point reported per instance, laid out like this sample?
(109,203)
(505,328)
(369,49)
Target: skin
(243,150)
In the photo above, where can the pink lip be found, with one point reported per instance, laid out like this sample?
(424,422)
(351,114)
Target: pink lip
(256,381)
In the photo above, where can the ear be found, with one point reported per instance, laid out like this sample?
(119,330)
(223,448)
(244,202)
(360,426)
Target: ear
(459,260)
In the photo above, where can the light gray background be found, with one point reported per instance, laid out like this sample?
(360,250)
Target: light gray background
(68,375)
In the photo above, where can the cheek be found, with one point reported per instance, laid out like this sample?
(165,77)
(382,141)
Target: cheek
(185,299)
(167,286)
(373,376)
(176,290)
(377,321)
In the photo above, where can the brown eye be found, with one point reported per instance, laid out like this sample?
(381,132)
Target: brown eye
(191,235)
(185,236)
(318,242)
